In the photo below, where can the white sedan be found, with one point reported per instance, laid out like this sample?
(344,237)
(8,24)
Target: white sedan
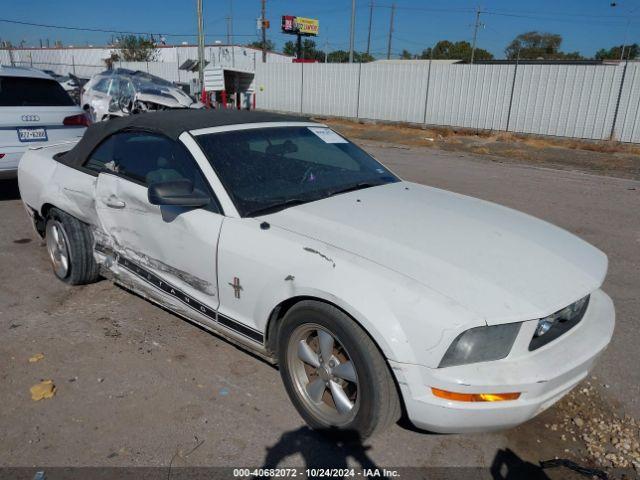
(375,296)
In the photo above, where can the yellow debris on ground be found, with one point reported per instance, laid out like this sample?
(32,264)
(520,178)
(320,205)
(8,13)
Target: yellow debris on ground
(44,389)
(36,358)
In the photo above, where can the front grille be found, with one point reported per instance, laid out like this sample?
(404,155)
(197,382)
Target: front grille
(559,328)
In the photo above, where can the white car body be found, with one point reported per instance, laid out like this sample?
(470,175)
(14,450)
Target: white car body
(414,265)
(48,121)
(100,95)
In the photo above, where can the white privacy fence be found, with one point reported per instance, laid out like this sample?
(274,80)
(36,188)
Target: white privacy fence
(596,102)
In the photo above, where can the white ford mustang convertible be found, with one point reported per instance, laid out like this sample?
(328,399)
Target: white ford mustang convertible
(377,297)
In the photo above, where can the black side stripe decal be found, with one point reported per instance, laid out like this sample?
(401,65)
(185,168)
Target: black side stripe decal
(191,302)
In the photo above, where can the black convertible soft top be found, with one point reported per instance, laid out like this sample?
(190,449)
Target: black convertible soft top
(171,123)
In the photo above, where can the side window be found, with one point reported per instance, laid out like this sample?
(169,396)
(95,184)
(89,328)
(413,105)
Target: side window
(146,159)
(102,85)
(101,155)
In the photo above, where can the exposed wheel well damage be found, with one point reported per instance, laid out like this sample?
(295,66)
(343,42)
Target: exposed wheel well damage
(44,211)
(39,219)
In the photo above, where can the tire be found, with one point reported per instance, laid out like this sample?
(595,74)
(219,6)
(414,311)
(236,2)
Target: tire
(70,248)
(368,387)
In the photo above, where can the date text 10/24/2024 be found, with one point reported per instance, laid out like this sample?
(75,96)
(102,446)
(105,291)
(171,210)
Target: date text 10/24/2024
(315,472)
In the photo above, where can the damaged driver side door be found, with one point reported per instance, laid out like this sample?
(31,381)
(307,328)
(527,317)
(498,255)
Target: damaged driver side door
(168,252)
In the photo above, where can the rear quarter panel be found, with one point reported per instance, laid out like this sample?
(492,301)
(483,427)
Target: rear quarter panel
(44,181)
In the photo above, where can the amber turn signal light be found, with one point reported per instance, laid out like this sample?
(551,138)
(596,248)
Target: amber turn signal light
(475,397)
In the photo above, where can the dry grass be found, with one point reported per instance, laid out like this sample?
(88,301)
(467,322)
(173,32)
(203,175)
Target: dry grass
(603,157)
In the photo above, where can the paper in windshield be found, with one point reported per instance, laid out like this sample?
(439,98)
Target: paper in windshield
(327,135)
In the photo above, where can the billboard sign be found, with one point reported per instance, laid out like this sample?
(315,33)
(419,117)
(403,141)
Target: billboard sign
(300,25)
(307,26)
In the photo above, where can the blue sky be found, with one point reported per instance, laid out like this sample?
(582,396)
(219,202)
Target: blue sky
(585,25)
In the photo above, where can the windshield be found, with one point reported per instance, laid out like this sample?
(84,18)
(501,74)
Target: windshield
(268,169)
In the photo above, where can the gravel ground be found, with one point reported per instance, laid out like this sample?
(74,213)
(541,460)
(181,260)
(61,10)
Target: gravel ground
(135,385)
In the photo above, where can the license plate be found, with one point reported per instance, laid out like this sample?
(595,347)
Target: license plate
(32,134)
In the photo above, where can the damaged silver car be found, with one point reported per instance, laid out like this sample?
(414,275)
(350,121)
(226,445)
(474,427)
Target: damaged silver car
(121,92)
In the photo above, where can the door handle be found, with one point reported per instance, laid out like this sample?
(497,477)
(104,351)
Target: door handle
(114,202)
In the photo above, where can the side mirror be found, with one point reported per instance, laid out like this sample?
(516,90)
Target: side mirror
(178,193)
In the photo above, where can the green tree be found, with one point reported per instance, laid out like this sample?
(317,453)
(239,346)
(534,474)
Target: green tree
(258,44)
(338,56)
(133,48)
(342,56)
(406,55)
(630,51)
(363,57)
(539,45)
(446,50)
(289,48)
(309,50)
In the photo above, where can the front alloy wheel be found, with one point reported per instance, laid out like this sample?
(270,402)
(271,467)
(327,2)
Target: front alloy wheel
(334,373)
(323,374)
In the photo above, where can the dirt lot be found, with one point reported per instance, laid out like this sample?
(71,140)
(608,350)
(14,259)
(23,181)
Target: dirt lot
(602,158)
(138,386)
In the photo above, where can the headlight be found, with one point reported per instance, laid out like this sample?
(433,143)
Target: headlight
(551,327)
(481,344)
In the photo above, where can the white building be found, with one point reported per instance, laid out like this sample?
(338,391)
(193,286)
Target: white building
(87,61)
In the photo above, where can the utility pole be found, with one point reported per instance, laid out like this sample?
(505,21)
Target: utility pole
(626,34)
(393,12)
(200,46)
(370,21)
(353,27)
(475,33)
(326,50)
(264,31)
(229,19)
(626,30)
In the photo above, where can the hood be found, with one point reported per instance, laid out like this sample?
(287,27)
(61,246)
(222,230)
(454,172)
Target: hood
(501,264)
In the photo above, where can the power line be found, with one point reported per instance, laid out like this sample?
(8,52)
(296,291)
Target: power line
(554,19)
(557,14)
(100,30)
(122,32)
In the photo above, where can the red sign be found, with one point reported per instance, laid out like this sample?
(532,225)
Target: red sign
(288,23)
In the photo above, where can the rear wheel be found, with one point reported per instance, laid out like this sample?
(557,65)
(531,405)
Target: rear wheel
(334,373)
(70,248)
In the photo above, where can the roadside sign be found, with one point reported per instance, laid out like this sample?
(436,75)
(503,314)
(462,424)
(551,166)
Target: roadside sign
(300,25)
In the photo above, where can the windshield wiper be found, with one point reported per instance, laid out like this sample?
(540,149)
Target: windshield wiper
(276,207)
(351,188)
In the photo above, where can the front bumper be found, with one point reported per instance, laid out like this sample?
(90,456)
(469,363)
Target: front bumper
(543,377)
